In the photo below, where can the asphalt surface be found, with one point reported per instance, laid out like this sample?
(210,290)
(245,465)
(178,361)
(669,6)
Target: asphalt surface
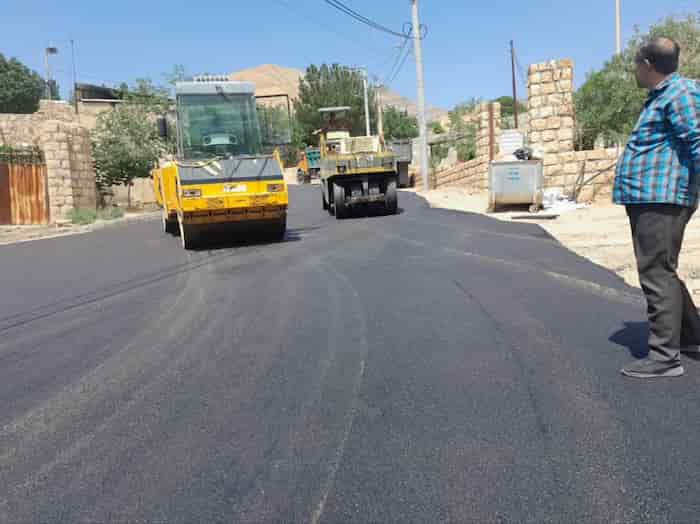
(432,366)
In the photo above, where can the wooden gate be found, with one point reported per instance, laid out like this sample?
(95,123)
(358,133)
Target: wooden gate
(23,194)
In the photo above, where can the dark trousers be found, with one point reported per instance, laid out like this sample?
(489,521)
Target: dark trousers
(657,232)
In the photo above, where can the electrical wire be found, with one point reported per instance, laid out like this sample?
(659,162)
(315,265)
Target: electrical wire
(400,66)
(397,61)
(337,4)
(333,30)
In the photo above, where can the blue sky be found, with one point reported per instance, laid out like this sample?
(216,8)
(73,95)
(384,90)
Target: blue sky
(466,50)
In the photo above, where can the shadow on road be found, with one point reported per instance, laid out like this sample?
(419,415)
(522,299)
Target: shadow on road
(634,337)
(223,242)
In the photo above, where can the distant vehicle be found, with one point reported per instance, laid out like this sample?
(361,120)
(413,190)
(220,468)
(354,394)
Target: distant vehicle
(355,171)
(309,166)
(222,177)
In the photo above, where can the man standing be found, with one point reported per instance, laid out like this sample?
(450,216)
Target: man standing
(657,179)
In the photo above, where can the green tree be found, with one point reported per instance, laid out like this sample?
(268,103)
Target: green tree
(508,107)
(329,86)
(399,124)
(436,128)
(609,102)
(20,87)
(125,145)
(464,129)
(155,99)
(508,110)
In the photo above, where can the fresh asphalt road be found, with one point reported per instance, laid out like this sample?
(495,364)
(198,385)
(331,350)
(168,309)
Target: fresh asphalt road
(427,367)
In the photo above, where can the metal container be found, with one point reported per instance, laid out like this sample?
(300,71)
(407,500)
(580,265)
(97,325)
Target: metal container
(516,182)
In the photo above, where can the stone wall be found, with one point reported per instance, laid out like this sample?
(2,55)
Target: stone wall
(89,111)
(474,173)
(67,149)
(565,169)
(142,194)
(552,124)
(550,127)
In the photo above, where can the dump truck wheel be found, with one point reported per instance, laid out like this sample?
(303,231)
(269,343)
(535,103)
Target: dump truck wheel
(391,200)
(341,210)
(189,236)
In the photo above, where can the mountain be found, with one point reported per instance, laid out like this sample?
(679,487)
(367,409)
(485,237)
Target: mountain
(270,79)
(391,98)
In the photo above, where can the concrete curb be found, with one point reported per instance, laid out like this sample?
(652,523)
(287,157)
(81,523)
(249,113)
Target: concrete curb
(81,230)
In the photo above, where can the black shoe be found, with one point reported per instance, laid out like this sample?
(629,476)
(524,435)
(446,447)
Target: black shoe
(692,349)
(648,368)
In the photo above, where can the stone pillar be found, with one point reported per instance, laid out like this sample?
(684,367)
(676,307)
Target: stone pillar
(69,169)
(551,106)
(483,140)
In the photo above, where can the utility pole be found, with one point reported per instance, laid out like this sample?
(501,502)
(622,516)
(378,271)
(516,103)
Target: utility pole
(75,76)
(380,113)
(364,83)
(515,89)
(618,27)
(49,51)
(422,123)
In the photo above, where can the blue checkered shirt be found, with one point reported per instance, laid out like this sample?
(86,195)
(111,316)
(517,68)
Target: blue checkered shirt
(661,162)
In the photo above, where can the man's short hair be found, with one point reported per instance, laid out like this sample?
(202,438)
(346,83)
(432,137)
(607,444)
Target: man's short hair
(662,53)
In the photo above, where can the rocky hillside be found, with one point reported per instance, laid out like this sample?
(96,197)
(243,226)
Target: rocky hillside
(271,79)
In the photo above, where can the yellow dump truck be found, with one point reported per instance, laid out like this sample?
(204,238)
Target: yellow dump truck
(221,179)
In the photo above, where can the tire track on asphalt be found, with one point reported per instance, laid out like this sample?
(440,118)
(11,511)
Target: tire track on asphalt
(42,312)
(603,488)
(524,267)
(351,414)
(82,399)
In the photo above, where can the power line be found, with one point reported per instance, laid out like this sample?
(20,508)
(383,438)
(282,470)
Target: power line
(334,30)
(397,60)
(337,4)
(400,62)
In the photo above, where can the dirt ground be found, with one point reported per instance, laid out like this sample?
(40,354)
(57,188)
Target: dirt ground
(599,232)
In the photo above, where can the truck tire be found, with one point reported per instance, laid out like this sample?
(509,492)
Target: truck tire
(391,200)
(341,210)
(189,234)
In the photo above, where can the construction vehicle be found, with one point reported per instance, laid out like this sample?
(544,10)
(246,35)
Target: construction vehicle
(403,150)
(309,166)
(222,178)
(355,171)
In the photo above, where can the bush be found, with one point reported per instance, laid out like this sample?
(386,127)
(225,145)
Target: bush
(110,213)
(84,217)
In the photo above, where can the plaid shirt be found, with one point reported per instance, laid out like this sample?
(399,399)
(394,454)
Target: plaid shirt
(661,163)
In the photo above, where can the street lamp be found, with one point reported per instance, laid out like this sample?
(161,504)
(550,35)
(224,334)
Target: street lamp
(49,51)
